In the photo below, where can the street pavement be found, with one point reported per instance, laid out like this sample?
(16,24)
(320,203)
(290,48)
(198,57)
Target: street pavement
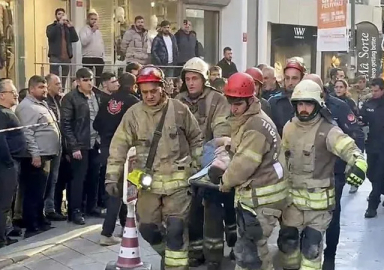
(360,245)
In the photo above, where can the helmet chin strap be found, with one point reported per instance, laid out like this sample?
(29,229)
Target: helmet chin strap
(311,116)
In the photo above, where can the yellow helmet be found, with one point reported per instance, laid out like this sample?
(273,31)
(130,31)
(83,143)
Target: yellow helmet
(308,90)
(197,65)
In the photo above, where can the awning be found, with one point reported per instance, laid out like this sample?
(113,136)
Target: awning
(216,3)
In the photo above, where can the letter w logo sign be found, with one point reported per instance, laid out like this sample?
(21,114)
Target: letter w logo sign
(299,32)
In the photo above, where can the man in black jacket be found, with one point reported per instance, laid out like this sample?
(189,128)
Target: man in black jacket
(61,34)
(164,49)
(226,64)
(12,145)
(78,112)
(107,120)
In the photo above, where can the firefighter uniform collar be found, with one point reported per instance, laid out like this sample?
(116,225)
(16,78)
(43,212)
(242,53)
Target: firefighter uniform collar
(238,121)
(155,109)
(309,123)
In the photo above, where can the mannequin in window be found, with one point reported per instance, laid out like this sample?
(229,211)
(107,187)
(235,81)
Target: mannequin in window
(152,32)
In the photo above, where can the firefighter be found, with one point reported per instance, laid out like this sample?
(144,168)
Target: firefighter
(281,107)
(258,79)
(168,200)
(310,144)
(260,187)
(211,110)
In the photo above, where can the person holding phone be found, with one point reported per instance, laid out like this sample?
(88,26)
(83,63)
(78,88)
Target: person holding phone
(61,34)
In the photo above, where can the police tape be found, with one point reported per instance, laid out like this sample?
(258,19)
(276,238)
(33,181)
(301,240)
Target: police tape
(27,126)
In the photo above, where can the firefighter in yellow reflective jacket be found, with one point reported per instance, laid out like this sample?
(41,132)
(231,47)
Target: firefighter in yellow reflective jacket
(211,110)
(310,144)
(179,150)
(255,172)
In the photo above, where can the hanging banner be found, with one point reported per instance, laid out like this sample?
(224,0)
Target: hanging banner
(332,25)
(368,47)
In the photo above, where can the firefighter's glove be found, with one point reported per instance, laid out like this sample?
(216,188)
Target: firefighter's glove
(357,173)
(223,187)
(112,189)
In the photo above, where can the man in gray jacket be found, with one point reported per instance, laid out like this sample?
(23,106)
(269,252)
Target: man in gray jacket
(43,143)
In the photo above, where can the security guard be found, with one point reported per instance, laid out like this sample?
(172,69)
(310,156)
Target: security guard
(179,149)
(260,187)
(347,121)
(372,114)
(258,78)
(311,142)
(211,110)
(281,107)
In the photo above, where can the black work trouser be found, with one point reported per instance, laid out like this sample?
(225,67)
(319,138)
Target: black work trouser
(376,176)
(218,209)
(8,187)
(115,208)
(35,185)
(90,62)
(84,182)
(102,195)
(196,220)
(333,231)
(64,178)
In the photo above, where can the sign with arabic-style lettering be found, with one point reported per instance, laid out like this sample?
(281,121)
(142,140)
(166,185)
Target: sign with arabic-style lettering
(368,49)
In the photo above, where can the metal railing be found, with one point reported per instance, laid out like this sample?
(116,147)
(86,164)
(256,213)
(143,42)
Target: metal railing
(67,71)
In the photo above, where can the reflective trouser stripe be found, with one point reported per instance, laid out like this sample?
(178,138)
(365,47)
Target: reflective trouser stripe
(292,260)
(310,265)
(176,258)
(167,182)
(213,243)
(264,195)
(196,245)
(314,200)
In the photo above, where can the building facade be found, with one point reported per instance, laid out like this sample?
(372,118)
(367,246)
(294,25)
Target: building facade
(288,28)
(24,46)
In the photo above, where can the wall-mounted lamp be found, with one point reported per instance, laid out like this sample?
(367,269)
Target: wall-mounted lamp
(153,4)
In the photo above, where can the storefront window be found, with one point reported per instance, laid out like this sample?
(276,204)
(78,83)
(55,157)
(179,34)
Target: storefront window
(293,41)
(333,60)
(7,40)
(117,17)
(31,44)
(206,25)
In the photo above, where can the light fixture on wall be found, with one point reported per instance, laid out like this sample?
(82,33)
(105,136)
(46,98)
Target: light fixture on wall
(152,4)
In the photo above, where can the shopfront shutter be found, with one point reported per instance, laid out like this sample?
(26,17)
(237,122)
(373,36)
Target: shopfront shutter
(216,3)
(106,26)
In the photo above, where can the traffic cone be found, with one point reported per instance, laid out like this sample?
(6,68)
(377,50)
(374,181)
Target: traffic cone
(129,255)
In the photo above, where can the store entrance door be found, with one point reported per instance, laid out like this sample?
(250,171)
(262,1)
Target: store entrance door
(206,25)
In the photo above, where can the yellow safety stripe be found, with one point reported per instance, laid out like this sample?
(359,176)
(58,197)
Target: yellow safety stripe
(213,243)
(318,201)
(252,155)
(310,265)
(176,258)
(341,143)
(264,195)
(292,260)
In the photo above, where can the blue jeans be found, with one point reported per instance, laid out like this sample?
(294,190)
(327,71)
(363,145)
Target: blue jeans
(49,203)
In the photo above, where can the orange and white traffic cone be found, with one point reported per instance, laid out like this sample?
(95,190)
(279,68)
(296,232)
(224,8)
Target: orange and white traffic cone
(129,255)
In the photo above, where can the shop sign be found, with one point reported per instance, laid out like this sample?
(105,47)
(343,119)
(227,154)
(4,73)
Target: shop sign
(368,49)
(332,25)
(293,32)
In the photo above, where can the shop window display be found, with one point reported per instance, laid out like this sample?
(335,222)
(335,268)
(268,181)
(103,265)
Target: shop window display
(333,60)
(7,40)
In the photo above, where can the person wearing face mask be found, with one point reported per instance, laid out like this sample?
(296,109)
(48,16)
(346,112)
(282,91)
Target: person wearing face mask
(134,45)
(311,143)
(281,107)
(43,144)
(211,110)
(261,190)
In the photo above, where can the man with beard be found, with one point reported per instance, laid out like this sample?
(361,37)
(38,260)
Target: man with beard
(92,46)
(281,107)
(134,45)
(270,86)
(227,66)
(310,145)
(43,143)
